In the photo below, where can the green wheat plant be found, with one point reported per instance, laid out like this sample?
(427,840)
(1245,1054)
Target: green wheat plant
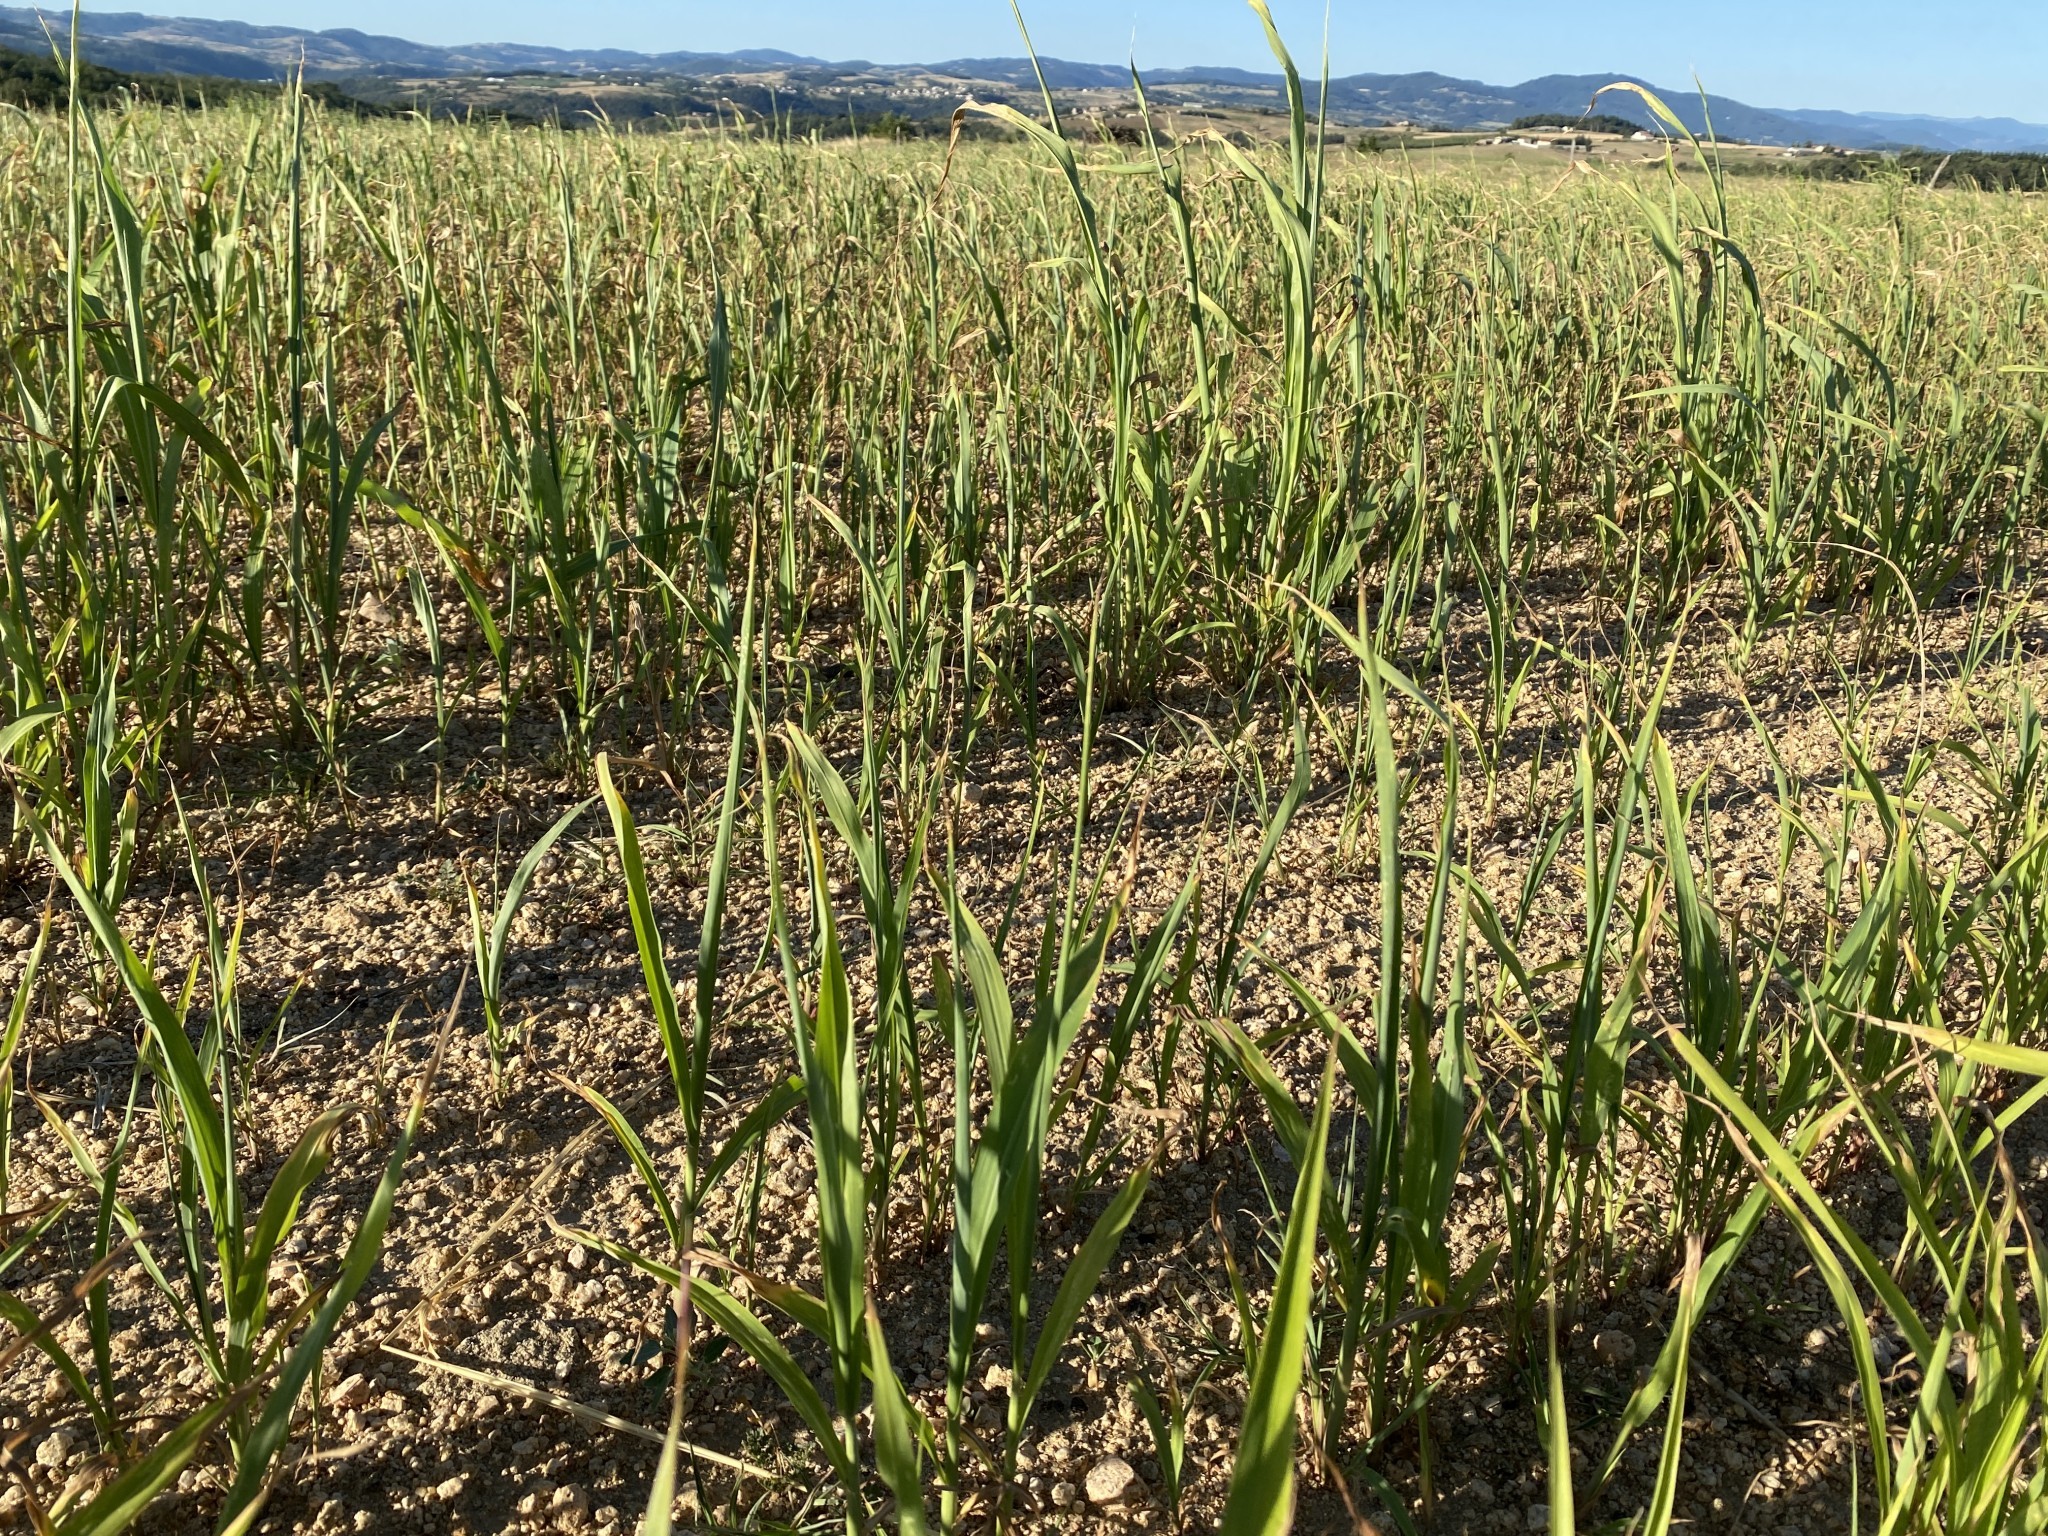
(1261,1497)
(220,1282)
(945,538)
(490,944)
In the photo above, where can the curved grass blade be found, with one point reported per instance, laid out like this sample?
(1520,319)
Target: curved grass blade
(273,1427)
(117,1508)
(897,1455)
(748,1331)
(1080,1280)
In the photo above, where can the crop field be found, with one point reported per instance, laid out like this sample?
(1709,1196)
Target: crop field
(712,832)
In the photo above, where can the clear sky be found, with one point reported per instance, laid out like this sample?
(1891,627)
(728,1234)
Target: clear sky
(1957,58)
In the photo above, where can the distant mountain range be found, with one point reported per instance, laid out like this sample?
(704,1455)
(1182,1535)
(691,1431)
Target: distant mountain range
(238,50)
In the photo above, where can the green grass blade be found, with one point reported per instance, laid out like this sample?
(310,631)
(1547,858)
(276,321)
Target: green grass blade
(830,1065)
(1261,1497)
(202,1118)
(2023,1060)
(641,1159)
(280,1208)
(118,1507)
(1080,1280)
(661,1491)
(273,1427)
(522,877)
(1557,1440)
(756,1123)
(661,992)
(1664,1492)
(747,1331)
(897,1454)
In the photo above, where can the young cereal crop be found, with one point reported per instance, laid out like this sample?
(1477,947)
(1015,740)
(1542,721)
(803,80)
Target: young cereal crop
(1364,844)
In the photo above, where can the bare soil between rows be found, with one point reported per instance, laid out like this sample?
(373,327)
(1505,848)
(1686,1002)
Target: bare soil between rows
(357,935)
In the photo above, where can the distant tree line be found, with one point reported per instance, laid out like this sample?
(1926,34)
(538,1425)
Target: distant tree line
(1987,172)
(1972,168)
(37,82)
(1592,122)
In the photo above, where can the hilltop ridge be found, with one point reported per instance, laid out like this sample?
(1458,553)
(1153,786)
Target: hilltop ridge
(385,66)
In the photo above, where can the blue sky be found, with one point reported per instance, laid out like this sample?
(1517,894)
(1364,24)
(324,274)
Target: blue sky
(1954,57)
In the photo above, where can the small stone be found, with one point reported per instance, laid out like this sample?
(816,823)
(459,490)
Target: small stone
(570,1507)
(1479,1491)
(451,1489)
(1110,1481)
(1063,1495)
(794,1178)
(1816,1340)
(1613,1347)
(996,1379)
(1539,1517)
(56,1447)
(578,1256)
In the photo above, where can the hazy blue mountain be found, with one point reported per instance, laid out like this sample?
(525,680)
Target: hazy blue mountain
(1060,74)
(1980,133)
(130,41)
(1572,94)
(242,50)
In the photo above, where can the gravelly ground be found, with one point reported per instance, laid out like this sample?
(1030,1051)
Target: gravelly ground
(357,933)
